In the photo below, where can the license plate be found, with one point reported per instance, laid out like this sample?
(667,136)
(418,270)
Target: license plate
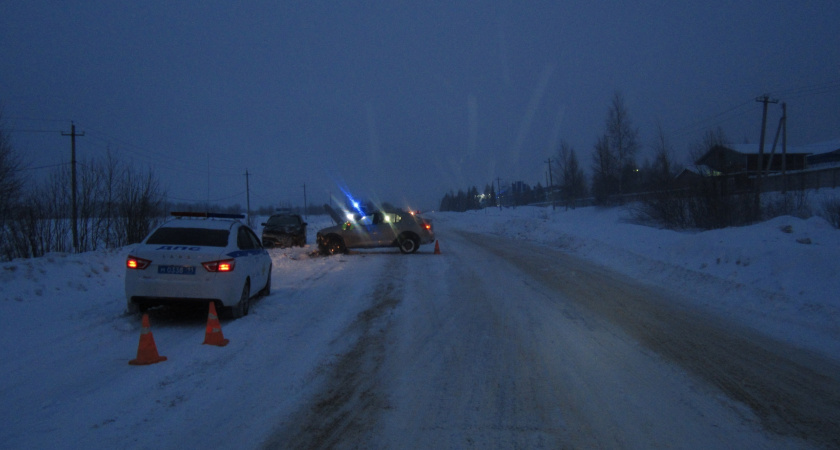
(177,270)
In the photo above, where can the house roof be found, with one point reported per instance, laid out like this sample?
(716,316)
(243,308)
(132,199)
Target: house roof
(820,148)
(808,149)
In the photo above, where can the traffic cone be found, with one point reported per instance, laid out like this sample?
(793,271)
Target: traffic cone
(213,335)
(147,350)
(437,247)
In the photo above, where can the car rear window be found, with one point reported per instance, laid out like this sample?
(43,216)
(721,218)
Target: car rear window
(189,236)
(283,220)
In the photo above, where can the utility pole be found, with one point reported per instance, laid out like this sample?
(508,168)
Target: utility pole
(75,209)
(551,185)
(784,148)
(763,99)
(499,192)
(304,200)
(248,196)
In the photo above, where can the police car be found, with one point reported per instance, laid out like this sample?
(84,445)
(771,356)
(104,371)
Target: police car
(198,257)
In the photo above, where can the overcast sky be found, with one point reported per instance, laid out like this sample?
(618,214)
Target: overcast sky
(399,101)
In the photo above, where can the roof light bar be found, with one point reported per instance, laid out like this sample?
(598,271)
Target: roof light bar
(208,215)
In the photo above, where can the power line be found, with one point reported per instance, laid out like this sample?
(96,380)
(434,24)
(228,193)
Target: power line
(41,167)
(23,130)
(815,89)
(713,120)
(33,119)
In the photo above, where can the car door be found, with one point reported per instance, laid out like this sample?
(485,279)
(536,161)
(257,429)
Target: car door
(359,233)
(248,257)
(387,228)
(375,229)
(261,261)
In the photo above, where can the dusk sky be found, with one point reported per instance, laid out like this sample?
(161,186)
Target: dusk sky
(398,101)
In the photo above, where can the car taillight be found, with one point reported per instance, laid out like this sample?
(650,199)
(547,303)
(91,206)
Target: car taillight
(427,226)
(225,265)
(133,262)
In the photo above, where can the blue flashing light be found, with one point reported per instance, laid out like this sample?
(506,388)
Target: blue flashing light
(353,202)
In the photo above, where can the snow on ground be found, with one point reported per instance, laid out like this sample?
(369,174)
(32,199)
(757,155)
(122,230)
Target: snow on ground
(67,340)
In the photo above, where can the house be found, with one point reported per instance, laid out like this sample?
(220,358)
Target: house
(809,166)
(823,153)
(744,158)
(690,176)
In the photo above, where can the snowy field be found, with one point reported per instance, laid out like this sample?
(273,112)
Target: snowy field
(67,340)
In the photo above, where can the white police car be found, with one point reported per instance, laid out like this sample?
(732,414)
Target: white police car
(198,257)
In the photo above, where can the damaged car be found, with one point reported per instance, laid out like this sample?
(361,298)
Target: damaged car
(373,229)
(284,230)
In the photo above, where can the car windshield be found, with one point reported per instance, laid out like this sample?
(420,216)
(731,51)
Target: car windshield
(189,236)
(279,221)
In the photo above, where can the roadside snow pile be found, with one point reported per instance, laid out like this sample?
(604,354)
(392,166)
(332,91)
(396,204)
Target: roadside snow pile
(781,276)
(57,285)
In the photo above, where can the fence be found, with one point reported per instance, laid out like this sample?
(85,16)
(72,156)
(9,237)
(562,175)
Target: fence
(816,178)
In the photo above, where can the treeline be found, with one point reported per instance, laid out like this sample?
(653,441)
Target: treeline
(116,206)
(515,194)
(469,200)
(651,188)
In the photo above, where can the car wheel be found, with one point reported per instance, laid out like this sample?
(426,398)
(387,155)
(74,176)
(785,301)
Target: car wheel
(333,246)
(241,309)
(408,244)
(267,289)
(268,244)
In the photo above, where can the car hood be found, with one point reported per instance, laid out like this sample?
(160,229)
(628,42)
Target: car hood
(282,228)
(335,216)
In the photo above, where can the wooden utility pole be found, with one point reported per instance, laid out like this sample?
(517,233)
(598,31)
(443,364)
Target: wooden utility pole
(248,196)
(499,192)
(763,99)
(74,207)
(784,148)
(304,200)
(551,185)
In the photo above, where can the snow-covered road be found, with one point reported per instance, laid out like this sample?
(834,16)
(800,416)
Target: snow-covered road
(500,344)
(497,342)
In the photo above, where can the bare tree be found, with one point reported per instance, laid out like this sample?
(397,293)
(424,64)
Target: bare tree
(10,182)
(11,186)
(42,223)
(663,204)
(140,204)
(99,182)
(663,171)
(572,180)
(712,139)
(623,139)
(604,173)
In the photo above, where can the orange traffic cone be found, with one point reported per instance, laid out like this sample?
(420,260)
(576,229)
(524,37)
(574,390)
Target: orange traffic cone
(147,350)
(213,335)
(437,247)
